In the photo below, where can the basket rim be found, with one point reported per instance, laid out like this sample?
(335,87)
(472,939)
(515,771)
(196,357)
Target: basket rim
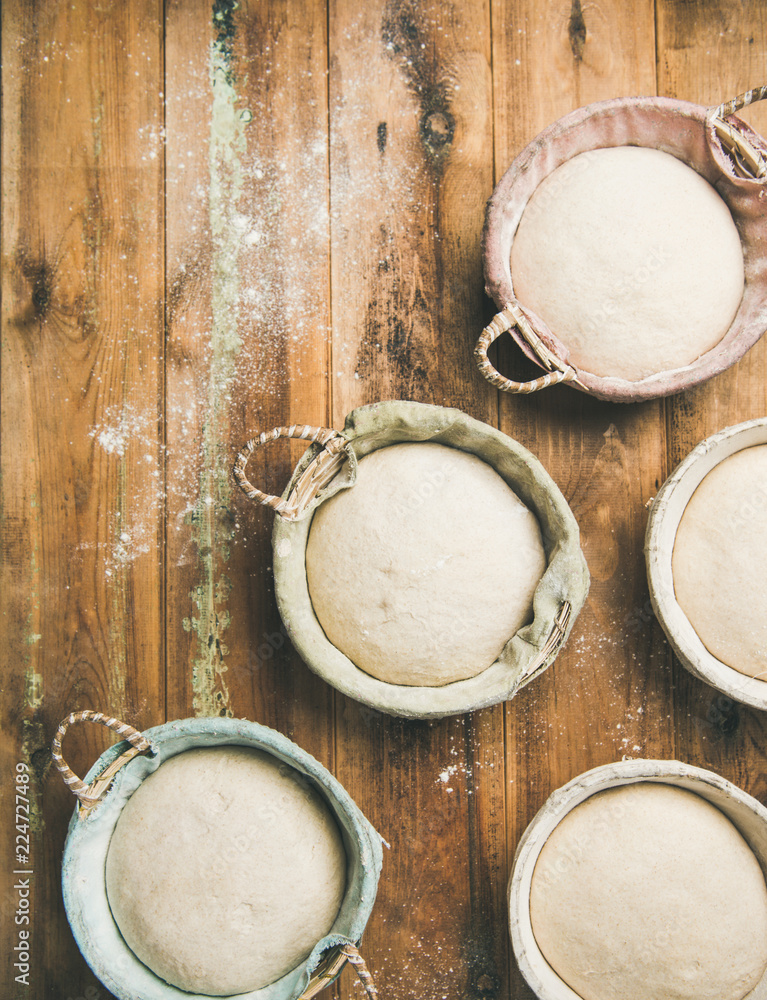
(665,514)
(88,838)
(497,242)
(489,687)
(735,803)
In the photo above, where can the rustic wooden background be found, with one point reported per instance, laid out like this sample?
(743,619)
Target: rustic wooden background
(219,217)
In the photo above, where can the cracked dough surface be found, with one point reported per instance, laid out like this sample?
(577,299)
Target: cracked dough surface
(648,892)
(632,260)
(224,870)
(719,560)
(426,567)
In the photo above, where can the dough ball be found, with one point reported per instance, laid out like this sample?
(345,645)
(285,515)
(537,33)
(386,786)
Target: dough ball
(648,892)
(719,560)
(426,567)
(632,259)
(224,870)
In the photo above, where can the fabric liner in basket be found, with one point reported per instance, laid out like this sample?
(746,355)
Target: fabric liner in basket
(692,133)
(91,827)
(558,598)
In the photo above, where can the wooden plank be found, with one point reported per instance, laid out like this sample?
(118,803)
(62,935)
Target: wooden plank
(608,693)
(82,540)
(557,55)
(411,147)
(248,318)
(709,59)
(256,183)
(411,168)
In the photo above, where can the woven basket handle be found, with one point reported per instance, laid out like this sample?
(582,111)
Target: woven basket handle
(511,315)
(555,639)
(749,162)
(330,966)
(88,795)
(317,475)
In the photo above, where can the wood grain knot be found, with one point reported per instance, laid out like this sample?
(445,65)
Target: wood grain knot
(723,715)
(382,132)
(576,30)
(38,273)
(487,987)
(437,129)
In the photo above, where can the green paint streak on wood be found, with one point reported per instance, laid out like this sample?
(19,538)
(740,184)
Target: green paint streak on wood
(212,521)
(118,583)
(120,561)
(32,680)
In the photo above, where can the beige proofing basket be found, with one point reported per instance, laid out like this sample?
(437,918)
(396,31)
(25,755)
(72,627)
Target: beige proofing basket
(748,815)
(665,514)
(100,799)
(330,465)
(715,143)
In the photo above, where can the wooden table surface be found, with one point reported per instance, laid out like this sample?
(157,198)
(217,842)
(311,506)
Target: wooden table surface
(219,218)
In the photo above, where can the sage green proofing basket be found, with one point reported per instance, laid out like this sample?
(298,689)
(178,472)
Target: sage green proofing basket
(330,465)
(121,769)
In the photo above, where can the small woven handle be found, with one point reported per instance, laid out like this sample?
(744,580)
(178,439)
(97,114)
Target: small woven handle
(327,464)
(556,636)
(748,161)
(363,973)
(88,795)
(332,964)
(511,315)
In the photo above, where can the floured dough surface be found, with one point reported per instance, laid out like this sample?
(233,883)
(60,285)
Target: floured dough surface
(426,567)
(632,259)
(719,563)
(648,892)
(224,870)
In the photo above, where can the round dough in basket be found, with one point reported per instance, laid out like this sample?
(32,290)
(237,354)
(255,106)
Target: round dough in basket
(426,567)
(648,892)
(719,560)
(632,260)
(224,870)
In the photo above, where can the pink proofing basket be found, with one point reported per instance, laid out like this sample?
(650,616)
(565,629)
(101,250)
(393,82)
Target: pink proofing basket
(719,146)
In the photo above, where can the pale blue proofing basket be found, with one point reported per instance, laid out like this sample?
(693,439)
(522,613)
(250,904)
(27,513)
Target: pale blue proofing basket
(85,852)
